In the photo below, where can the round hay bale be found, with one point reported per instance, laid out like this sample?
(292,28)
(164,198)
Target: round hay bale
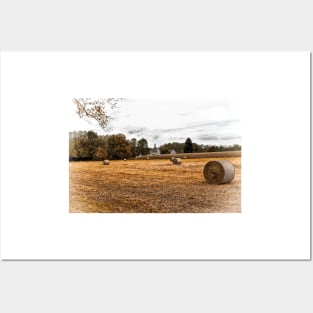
(106,162)
(148,158)
(219,172)
(177,161)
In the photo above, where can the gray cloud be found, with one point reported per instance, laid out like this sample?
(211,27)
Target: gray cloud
(138,130)
(230,137)
(207,138)
(224,123)
(161,121)
(155,137)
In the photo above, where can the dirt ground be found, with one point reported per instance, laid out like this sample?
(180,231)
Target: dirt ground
(151,186)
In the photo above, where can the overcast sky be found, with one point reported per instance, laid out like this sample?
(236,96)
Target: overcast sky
(163,121)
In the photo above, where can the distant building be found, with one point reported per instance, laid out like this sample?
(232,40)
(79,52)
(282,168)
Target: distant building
(155,150)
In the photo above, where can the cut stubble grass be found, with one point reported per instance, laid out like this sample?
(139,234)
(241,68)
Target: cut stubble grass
(151,186)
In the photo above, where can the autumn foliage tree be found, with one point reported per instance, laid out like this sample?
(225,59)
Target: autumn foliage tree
(133,143)
(96,110)
(142,147)
(118,147)
(83,145)
(87,146)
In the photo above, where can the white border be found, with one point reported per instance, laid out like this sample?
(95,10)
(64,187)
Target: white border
(273,92)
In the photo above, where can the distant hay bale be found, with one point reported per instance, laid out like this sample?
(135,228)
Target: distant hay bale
(219,172)
(125,160)
(148,158)
(185,157)
(106,162)
(177,161)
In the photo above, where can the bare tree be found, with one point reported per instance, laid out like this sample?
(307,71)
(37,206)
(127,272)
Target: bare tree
(96,109)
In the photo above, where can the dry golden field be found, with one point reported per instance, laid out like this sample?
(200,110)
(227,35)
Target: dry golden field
(151,186)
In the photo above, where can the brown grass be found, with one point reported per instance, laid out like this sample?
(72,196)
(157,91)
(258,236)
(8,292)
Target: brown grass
(151,186)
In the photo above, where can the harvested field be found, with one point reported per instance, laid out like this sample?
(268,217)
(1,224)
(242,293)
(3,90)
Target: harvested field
(151,186)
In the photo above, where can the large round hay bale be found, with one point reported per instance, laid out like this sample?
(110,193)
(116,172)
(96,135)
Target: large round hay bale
(106,162)
(148,158)
(219,172)
(177,161)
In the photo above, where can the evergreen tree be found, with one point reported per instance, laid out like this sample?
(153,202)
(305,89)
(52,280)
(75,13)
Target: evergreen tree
(188,146)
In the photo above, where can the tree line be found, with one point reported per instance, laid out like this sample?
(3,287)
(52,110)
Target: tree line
(88,145)
(193,147)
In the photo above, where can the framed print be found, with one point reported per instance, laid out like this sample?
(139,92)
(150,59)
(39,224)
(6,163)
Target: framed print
(155,155)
